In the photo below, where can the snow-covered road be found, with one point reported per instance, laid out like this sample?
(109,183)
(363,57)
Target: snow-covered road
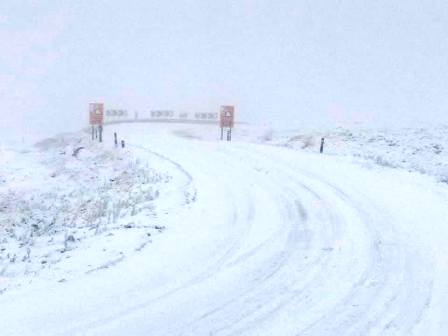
(277,242)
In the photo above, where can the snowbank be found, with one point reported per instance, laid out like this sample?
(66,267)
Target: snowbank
(69,206)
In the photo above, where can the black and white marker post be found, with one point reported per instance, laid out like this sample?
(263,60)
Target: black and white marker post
(322,145)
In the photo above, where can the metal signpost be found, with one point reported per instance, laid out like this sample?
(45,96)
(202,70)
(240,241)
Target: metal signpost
(227,116)
(96,114)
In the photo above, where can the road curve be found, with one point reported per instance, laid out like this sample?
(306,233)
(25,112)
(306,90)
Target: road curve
(277,242)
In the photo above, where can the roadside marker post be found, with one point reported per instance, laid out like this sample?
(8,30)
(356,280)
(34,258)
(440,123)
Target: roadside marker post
(322,145)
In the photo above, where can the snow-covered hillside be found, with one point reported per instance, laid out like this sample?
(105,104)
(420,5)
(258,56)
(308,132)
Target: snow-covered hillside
(182,234)
(415,149)
(423,150)
(69,206)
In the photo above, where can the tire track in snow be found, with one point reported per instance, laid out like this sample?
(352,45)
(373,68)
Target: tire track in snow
(235,242)
(333,264)
(388,259)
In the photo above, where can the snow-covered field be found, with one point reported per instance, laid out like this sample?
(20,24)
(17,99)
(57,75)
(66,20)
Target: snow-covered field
(423,150)
(181,234)
(70,207)
(415,149)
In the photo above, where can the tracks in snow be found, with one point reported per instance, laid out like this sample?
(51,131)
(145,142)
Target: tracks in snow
(274,244)
(305,256)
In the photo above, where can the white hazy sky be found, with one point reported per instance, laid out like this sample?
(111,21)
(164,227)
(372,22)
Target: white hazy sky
(288,62)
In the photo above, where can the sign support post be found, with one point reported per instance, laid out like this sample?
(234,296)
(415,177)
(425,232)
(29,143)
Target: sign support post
(96,115)
(227,115)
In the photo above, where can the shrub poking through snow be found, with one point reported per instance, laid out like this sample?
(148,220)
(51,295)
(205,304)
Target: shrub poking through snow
(75,191)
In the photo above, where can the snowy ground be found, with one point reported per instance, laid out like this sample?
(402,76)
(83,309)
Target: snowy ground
(423,150)
(414,149)
(70,207)
(259,239)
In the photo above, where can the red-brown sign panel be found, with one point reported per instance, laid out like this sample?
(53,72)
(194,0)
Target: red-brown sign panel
(227,116)
(96,111)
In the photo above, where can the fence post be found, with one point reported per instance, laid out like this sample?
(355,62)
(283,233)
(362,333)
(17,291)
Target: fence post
(100,129)
(322,145)
(115,139)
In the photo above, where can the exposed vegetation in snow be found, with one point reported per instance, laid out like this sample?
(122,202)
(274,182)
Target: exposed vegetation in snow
(418,149)
(68,197)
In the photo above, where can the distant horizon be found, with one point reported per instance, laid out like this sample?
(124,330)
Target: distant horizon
(31,135)
(294,63)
